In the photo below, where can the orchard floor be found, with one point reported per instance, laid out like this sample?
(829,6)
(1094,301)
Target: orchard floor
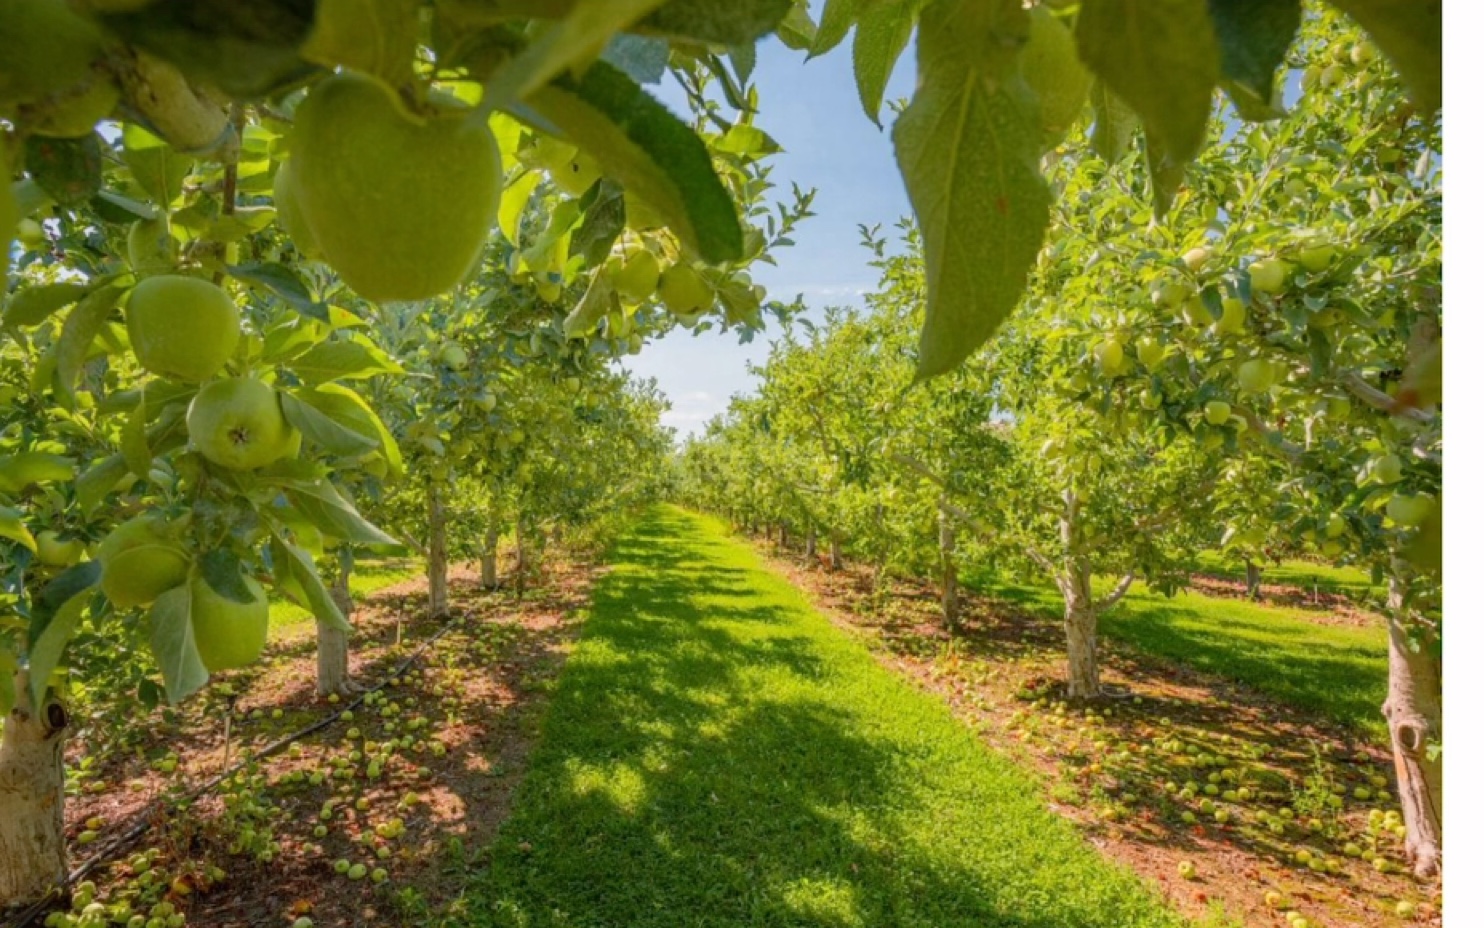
(1192,700)
(717,753)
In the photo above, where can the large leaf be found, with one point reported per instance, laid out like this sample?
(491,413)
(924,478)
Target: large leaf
(1254,37)
(377,37)
(354,358)
(602,223)
(597,301)
(158,169)
(283,283)
(13,526)
(345,407)
(99,480)
(32,305)
(513,202)
(834,24)
(880,38)
(83,324)
(568,44)
(69,170)
(1161,57)
(324,508)
(1410,32)
(968,146)
(642,58)
(54,615)
(322,431)
(717,22)
(648,150)
(294,564)
(172,639)
(1113,124)
(18,471)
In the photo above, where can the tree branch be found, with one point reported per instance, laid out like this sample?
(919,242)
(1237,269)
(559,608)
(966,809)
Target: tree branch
(1378,399)
(1114,595)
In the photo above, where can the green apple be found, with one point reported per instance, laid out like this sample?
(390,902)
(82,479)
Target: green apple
(1334,526)
(1218,412)
(400,203)
(1269,275)
(1386,469)
(47,51)
(229,633)
(1405,510)
(638,276)
(1050,65)
(683,290)
(1196,313)
(1362,54)
(74,113)
(1186,869)
(152,249)
(1109,357)
(1257,375)
(1316,256)
(1151,352)
(486,401)
(1233,317)
(239,424)
(1196,258)
(1170,293)
(53,551)
(291,213)
(184,328)
(141,559)
(453,356)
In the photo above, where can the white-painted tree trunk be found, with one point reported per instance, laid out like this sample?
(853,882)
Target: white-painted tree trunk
(333,645)
(33,851)
(837,556)
(1414,713)
(948,563)
(811,547)
(489,565)
(1254,581)
(1080,622)
(437,554)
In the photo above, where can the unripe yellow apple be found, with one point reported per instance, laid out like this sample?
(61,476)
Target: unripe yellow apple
(1151,353)
(1386,469)
(1409,511)
(638,276)
(1269,275)
(239,424)
(185,328)
(141,559)
(1316,256)
(228,633)
(1109,357)
(1170,293)
(152,249)
(1196,258)
(1217,412)
(1256,375)
(683,290)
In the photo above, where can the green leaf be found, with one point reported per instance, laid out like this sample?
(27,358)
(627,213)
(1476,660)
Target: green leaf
(354,358)
(567,44)
(284,283)
(968,146)
(324,508)
(158,169)
(172,640)
(322,431)
(834,24)
(642,58)
(134,441)
(99,480)
(1254,37)
(119,209)
(299,567)
(1165,174)
(83,324)
(597,301)
(221,568)
(377,37)
(513,202)
(1161,58)
(1113,124)
(347,408)
(796,31)
(880,38)
(747,141)
(650,151)
(13,526)
(19,471)
(717,22)
(32,305)
(45,650)
(69,170)
(602,223)
(1410,33)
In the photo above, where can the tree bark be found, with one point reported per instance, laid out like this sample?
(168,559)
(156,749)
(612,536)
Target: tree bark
(1081,624)
(947,548)
(1414,713)
(333,645)
(489,570)
(33,851)
(811,547)
(783,536)
(837,558)
(1254,582)
(520,557)
(437,555)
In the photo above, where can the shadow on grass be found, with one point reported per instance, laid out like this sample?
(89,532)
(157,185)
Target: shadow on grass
(715,755)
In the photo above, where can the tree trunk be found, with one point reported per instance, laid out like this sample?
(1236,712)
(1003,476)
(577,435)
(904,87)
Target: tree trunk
(437,555)
(837,559)
(1254,582)
(811,547)
(333,651)
(1414,713)
(489,570)
(783,536)
(1081,623)
(33,852)
(520,557)
(947,546)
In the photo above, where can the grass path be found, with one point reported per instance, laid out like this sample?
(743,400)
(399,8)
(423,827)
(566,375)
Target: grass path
(717,754)
(1337,671)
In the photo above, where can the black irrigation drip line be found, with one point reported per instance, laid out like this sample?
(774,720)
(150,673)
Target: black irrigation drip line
(145,819)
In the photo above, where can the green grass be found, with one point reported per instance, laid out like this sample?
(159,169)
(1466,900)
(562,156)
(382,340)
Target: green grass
(369,576)
(1346,581)
(1335,671)
(716,753)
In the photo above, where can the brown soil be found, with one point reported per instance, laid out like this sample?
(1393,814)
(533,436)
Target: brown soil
(1321,608)
(1110,768)
(468,708)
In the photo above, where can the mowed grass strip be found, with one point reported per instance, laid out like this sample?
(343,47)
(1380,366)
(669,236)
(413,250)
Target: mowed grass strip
(716,753)
(1336,671)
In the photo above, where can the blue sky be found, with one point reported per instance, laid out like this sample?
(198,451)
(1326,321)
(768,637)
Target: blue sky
(829,144)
